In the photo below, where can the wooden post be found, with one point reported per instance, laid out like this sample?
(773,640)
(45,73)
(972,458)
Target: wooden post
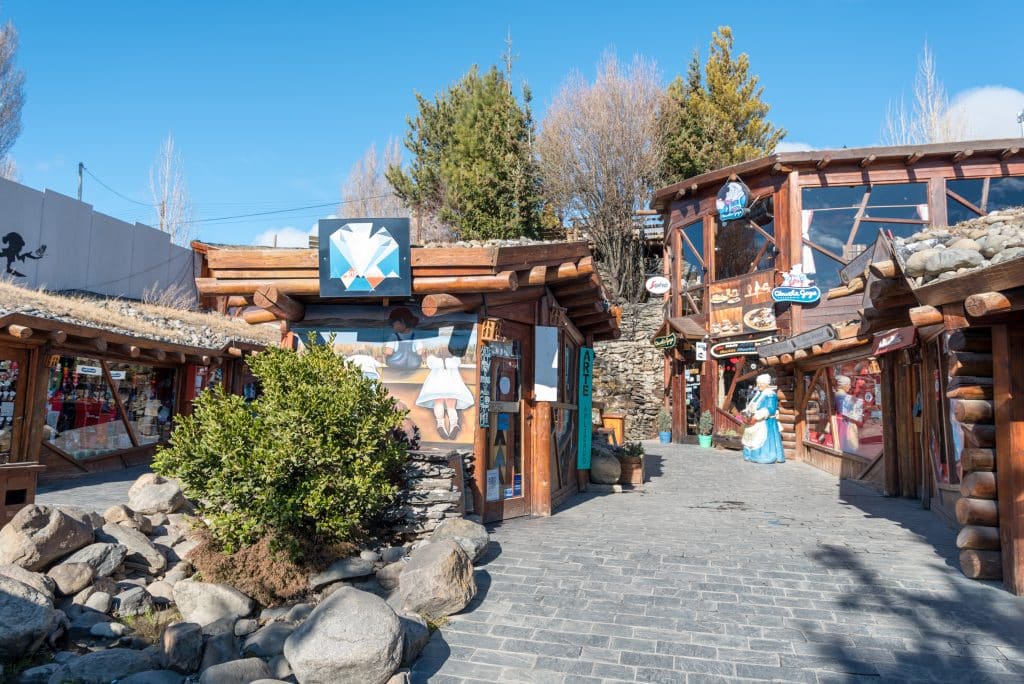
(1008,379)
(278,303)
(540,477)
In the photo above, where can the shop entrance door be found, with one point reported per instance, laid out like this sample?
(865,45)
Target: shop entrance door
(502,371)
(13,364)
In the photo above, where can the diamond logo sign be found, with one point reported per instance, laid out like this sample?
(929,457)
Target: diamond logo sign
(364,257)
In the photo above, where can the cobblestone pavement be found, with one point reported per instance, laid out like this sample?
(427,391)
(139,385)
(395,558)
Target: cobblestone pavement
(723,570)
(93,492)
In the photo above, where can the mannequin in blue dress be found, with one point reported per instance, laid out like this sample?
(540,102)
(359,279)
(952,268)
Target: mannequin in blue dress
(762,440)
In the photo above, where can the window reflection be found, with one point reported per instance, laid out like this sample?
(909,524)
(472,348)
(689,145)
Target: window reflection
(984,195)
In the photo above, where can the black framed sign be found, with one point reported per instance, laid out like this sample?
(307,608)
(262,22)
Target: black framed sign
(364,257)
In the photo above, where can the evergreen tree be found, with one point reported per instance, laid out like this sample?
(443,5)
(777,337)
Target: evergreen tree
(715,119)
(472,164)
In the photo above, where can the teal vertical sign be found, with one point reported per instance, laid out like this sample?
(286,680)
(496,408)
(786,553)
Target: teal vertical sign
(586,404)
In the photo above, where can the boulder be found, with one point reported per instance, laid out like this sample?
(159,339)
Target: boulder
(401,677)
(37,675)
(123,515)
(279,667)
(134,601)
(1008,254)
(965,243)
(437,580)
(268,641)
(393,554)
(220,649)
(471,536)
(29,619)
(38,535)
(604,468)
(388,576)
(100,601)
(298,612)
(236,672)
(161,590)
(952,259)
(183,647)
(107,630)
(141,551)
(104,557)
(352,637)
(152,494)
(90,519)
(203,602)
(416,634)
(103,667)
(153,677)
(246,626)
(224,625)
(82,620)
(71,578)
(37,580)
(342,569)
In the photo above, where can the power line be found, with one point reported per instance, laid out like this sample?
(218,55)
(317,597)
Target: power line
(124,197)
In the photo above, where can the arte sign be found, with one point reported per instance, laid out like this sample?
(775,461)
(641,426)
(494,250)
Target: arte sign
(666,341)
(796,288)
(658,285)
(364,257)
(742,305)
(733,201)
(738,348)
(585,406)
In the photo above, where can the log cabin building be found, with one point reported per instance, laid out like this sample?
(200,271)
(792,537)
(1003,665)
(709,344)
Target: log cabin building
(89,384)
(490,348)
(864,392)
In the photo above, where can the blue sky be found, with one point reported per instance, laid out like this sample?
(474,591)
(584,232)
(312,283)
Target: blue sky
(271,103)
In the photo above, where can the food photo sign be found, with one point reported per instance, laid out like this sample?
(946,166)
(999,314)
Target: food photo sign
(742,305)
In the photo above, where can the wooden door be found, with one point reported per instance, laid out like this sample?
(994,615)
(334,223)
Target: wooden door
(13,378)
(503,379)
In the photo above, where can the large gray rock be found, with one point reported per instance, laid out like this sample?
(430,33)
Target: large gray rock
(279,667)
(952,259)
(103,667)
(203,602)
(105,558)
(915,265)
(134,601)
(237,672)
(352,637)
(345,568)
(416,634)
(268,641)
(71,578)
(183,647)
(604,468)
(27,619)
(471,536)
(389,575)
(153,677)
(151,494)
(124,515)
(90,519)
(37,675)
(393,554)
(100,601)
(220,648)
(437,580)
(141,551)
(38,535)
(37,580)
(162,591)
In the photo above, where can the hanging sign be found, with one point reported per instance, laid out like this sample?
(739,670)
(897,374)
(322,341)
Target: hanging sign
(586,405)
(732,201)
(742,305)
(738,347)
(700,351)
(665,341)
(658,285)
(493,485)
(88,370)
(364,257)
(796,288)
(805,340)
(891,340)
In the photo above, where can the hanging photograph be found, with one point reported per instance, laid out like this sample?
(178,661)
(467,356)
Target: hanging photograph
(364,257)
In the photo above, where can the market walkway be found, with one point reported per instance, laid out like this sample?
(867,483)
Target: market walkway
(721,570)
(93,492)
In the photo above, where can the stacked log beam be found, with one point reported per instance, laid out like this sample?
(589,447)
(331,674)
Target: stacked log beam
(785,382)
(970,367)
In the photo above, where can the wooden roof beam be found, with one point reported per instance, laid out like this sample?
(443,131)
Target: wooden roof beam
(780,168)
(20,332)
(921,316)
(278,303)
(822,163)
(913,158)
(883,269)
(868,161)
(1008,152)
(506,281)
(991,303)
(962,154)
(257,316)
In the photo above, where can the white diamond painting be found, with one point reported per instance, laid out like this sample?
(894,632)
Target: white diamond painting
(361,258)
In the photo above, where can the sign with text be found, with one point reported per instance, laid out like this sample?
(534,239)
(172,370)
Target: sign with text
(802,341)
(586,405)
(658,285)
(732,201)
(742,305)
(796,288)
(724,350)
(665,341)
(700,351)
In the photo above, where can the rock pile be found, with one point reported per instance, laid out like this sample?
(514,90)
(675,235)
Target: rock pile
(71,582)
(429,493)
(937,254)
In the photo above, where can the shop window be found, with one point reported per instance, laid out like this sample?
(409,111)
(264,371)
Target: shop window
(82,416)
(737,383)
(843,408)
(693,252)
(8,393)
(147,394)
(943,433)
(969,198)
(840,222)
(565,418)
(746,245)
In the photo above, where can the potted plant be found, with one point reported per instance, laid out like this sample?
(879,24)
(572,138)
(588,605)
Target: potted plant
(706,426)
(664,426)
(631,458)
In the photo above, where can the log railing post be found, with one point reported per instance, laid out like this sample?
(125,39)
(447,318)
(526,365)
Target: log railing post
(1008,389)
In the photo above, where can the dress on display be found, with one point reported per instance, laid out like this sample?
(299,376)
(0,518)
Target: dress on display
(444,382)
(762,441)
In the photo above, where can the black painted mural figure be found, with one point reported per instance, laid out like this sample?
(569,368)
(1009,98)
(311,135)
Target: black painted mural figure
(13,244)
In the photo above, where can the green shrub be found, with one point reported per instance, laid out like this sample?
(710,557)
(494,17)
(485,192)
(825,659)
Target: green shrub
(707,423)
(311,461)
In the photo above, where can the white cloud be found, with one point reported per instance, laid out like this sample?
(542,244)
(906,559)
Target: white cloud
(315,228)
(785,146)
(286,237)
(989,112)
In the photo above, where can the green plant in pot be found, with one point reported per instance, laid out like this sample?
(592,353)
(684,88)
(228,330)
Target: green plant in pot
(664,426)
(706,427)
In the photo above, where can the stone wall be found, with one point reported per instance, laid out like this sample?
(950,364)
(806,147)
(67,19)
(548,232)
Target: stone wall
(629,372)
(432,490)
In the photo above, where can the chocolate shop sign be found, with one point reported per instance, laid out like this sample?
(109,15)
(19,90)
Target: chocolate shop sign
(724,350)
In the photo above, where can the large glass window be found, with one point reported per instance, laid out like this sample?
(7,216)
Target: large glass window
(746,245)
(147,394)
(843,409)
(9,371)
(840,222)
(970,198)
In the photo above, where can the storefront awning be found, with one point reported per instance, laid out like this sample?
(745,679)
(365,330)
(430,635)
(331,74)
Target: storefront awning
(688,327)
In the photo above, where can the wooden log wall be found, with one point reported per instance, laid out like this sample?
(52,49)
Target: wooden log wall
(785,380)
(970,392)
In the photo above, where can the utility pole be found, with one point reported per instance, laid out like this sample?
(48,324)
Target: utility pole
(81,167)
(1020,120)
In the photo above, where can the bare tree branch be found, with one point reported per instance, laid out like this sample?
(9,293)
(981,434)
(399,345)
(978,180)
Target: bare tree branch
(169,190)
(12,98)
(932,120)
(366,192)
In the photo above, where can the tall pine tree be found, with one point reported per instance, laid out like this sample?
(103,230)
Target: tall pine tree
(472,164)
(716,118)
